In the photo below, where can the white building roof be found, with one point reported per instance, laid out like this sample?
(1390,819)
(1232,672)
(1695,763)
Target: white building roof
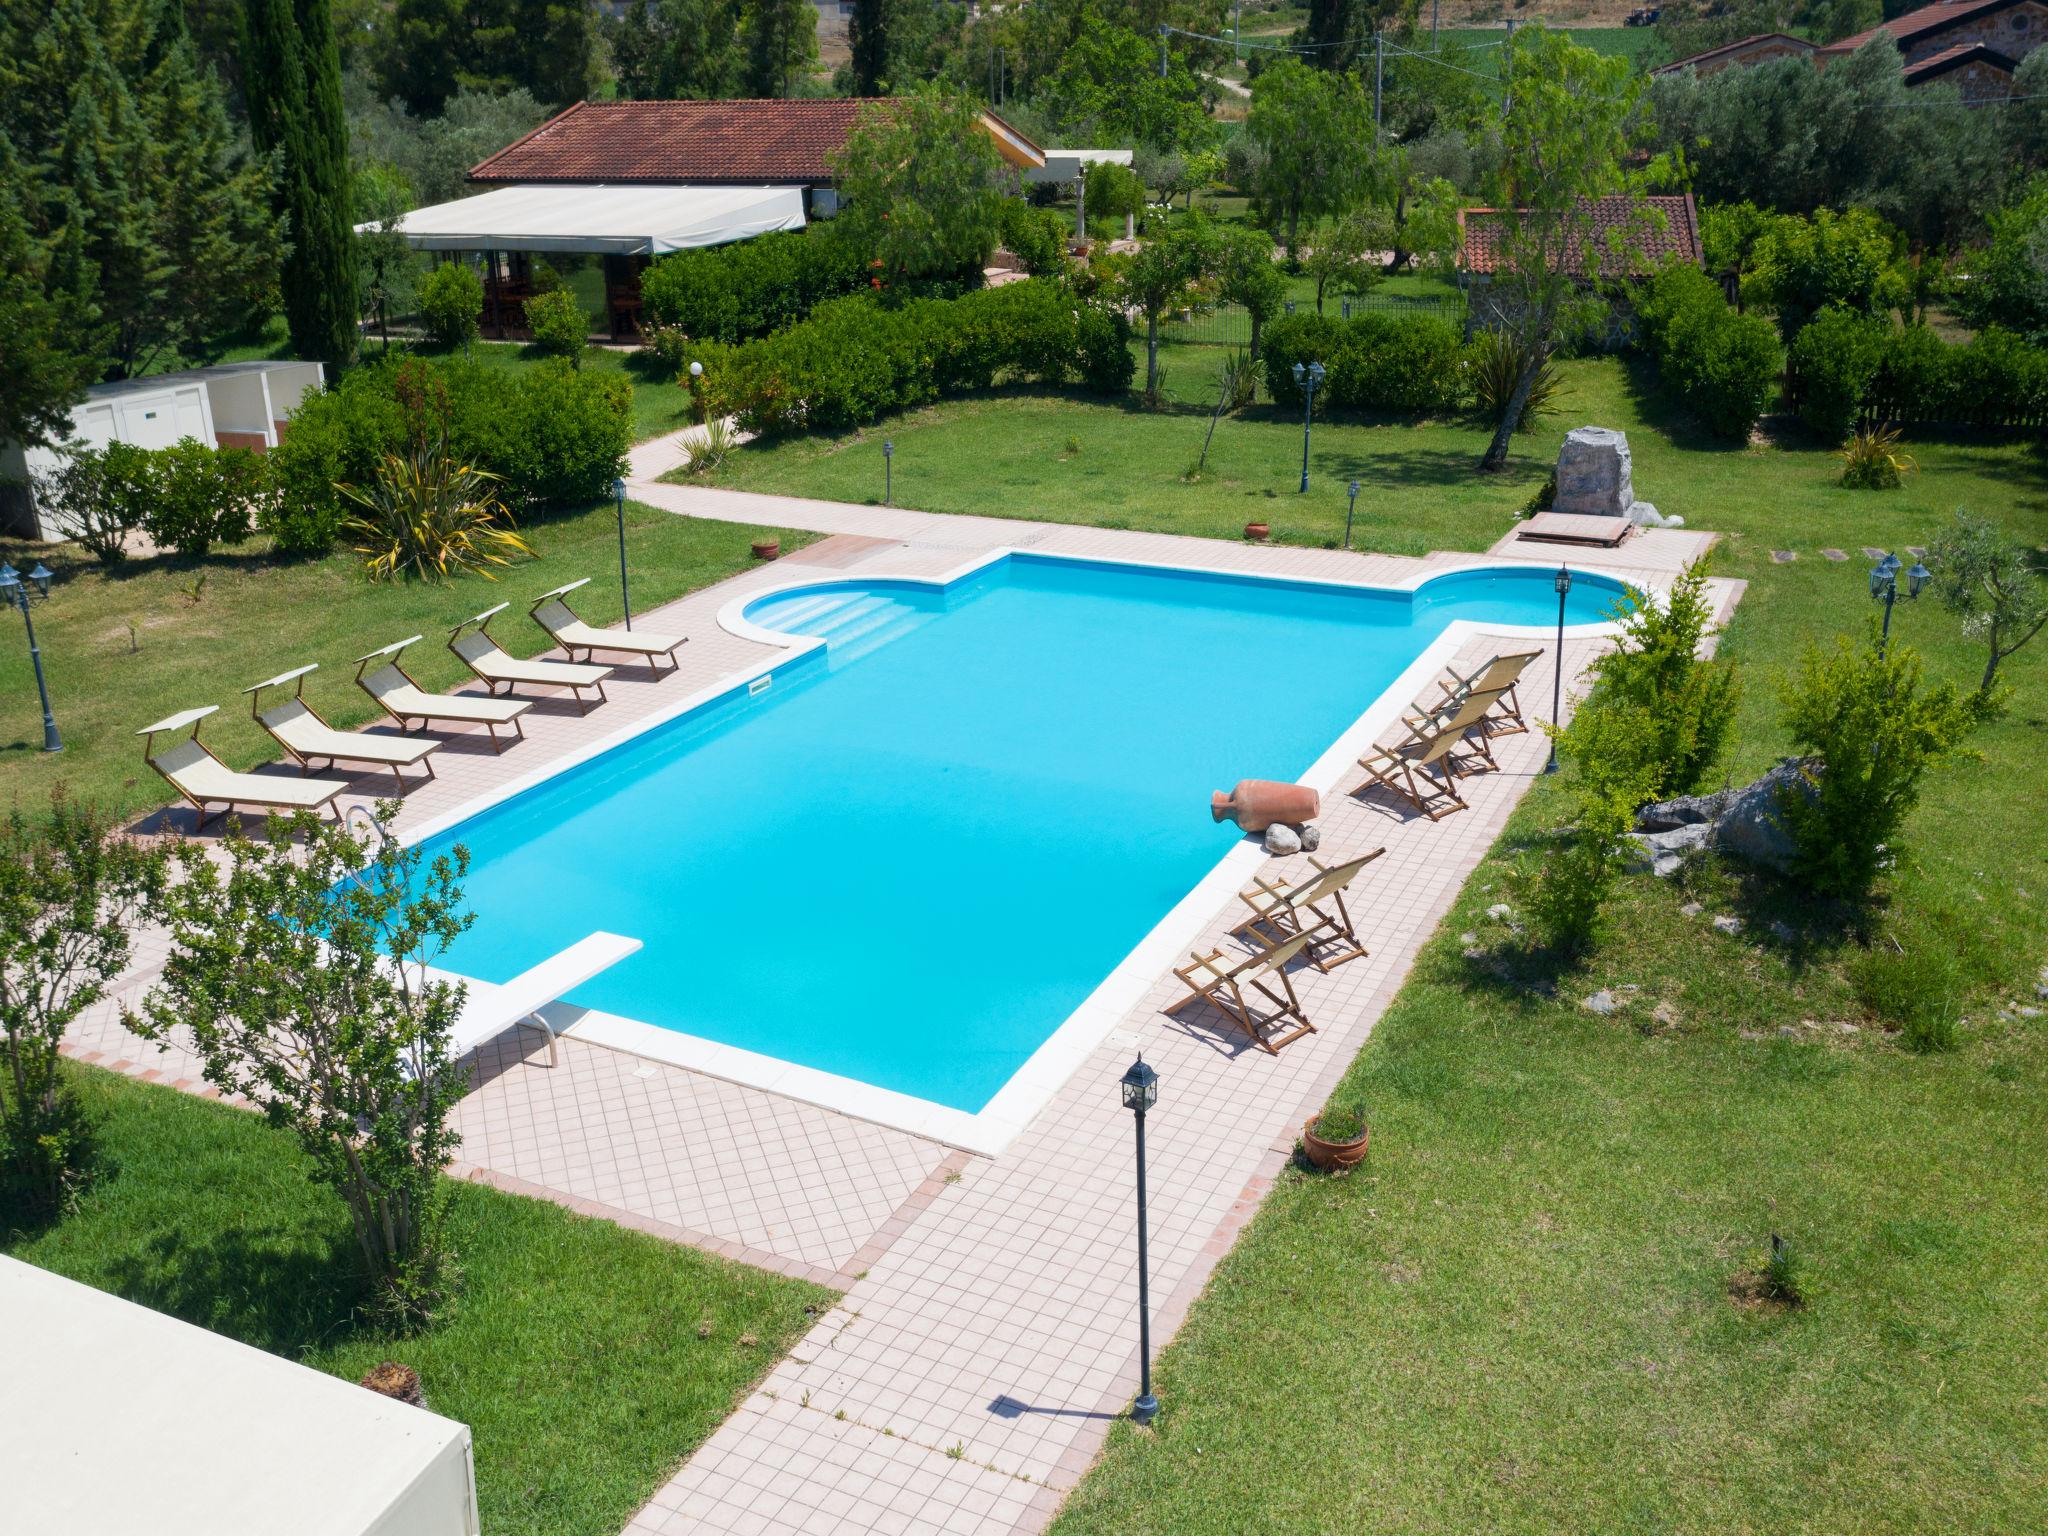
(609,220)
(1065,164)
(117,1418)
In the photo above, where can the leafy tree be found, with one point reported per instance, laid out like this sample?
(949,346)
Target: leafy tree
(49,358)
(781,41)
(1108,88)
(293,76)
(1161,275)
(1345,259)
(432,156)
(924,184)
(70,890)
(867,36)
(451,301)
(1876,727)
(1247,275)
(667,50)
(1850,260)
(1571,123)
(1313,129)
(2008,283)
(427,50)
(301,975)
(144,206)
(1995,585)
(1114,191)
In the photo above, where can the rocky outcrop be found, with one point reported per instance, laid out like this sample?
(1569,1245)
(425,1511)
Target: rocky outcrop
(1744,821)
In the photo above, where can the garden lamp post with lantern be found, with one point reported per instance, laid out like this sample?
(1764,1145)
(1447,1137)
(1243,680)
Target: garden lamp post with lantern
(15,588)
(1884,587)
(1562,582)
(1308,377)
(1140,1087)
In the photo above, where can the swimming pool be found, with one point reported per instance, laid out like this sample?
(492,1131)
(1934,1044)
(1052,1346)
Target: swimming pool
(912,853)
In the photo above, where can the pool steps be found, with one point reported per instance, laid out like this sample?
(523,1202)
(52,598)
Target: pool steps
(853,624)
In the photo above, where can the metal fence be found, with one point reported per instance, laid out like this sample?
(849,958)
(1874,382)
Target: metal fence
(1230,325)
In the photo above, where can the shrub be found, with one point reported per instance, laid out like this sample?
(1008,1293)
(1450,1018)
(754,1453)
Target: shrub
(451,299)
(1402,366)
(1847,260)
(1686,701)
(337,434)
(1102,340)
(1723,365)
(1497,361)
(1869,716)
(427,515)
(1302,338)
(1037,237)
(1871,460)
(201,496)
(731,293)
(1564,898)
(99,495)
(1833,364)
(559,326)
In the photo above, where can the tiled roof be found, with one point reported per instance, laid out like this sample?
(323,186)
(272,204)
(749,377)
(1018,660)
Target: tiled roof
(1950,58)
(1915,24)
(1727,50)
(759,142)
(1481,235)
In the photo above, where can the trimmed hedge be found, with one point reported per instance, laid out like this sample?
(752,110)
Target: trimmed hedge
(1849,369)
(856,359)
(1403,366)
(555,435)
(1724,366)
(1834,361)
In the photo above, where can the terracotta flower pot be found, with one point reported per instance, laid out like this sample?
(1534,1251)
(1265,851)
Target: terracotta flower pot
(767,549)
(1333,1154)
(1258,532)
(1257,803)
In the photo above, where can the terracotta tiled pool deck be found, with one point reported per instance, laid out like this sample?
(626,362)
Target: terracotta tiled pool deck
(987,1332)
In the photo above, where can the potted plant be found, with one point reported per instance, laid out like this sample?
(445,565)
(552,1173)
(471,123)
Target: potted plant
(1258,532)
(1335,1138)
(767,549)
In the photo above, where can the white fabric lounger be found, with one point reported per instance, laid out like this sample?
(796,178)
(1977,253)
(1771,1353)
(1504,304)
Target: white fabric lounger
(300,730)
(491,663)
(204,779)
(405,700)
(555,616)
(488,1011)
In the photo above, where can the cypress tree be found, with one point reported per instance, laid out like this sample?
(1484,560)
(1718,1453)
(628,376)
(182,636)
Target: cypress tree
(292,73)
(867,34)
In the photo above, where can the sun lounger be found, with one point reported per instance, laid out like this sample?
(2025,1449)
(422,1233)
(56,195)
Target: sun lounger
(203,779)
(488,1011)
(1223,980)
(1314,906)
(406,701)
(471,640)
(555,616)
(300,730)
(1500,675)
(1421,769)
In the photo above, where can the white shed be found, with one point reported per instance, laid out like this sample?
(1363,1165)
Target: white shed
(231,405)
(119,1419)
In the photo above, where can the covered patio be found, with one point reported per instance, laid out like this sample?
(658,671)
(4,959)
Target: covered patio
(625,226)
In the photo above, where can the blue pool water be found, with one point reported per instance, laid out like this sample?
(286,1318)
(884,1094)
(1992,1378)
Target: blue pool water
(908,862)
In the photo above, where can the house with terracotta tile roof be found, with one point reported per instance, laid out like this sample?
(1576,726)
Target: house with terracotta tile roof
(1973,44)
(1674,236)
(1757,48)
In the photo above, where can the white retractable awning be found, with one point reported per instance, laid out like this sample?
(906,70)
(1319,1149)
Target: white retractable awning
(1065,164)
(606,220)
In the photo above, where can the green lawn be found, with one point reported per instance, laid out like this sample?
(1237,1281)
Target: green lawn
(587,1359)
(131,645)
(1517,1318)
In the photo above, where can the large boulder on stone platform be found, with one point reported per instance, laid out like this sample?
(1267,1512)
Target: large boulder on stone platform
(1595,473)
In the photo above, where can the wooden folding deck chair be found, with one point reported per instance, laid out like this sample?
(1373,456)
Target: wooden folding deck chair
(1502,675)
(405,701)
(300,729)
(1314,906)
(497,668)
(1223,980)
(554,615)
(1421,768)
(203,779)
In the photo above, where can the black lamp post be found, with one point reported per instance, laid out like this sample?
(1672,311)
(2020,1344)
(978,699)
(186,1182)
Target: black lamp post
(619,502)
(1349,512)
(1308,378)
(15,589)
(1140,1085)
(1563,583)
(888,473)
(1884,587)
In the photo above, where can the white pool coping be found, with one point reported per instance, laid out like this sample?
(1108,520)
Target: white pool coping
(992,1128)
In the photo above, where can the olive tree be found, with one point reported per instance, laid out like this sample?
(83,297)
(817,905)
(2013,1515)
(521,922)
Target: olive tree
(301,974)
(1162,273)
(1993,583)
(70,892)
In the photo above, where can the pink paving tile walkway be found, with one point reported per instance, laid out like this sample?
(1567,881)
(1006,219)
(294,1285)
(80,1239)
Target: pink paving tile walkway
(989,1305)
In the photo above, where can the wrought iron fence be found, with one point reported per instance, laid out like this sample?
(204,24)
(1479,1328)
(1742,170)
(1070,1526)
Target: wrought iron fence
(1230,325)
